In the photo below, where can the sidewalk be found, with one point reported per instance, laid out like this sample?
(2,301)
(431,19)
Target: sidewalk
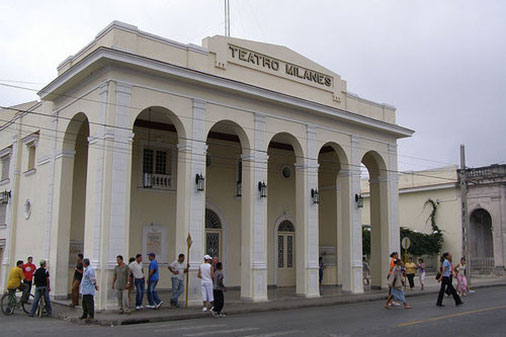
(279,299)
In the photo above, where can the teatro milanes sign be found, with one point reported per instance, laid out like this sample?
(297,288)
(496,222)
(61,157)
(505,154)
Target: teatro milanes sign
(273,64)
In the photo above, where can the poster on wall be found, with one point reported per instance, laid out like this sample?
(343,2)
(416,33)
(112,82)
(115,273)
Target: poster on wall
(76,247)
(155,240)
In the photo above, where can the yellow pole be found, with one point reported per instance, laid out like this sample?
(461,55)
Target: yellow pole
(188,245)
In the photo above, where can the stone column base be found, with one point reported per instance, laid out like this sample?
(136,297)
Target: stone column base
(258,285)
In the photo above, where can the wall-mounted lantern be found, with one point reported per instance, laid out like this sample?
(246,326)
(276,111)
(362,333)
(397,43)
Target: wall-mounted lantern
(262,189)
(359,200)
(315,195)
(239,189)
(4,197)
(199,181)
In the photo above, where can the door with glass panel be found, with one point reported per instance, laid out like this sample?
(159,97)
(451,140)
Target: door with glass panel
(286,254)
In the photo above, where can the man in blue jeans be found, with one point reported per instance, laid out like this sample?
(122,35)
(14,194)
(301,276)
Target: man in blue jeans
(138,273)
(42,288)
(154,301)
(178,269)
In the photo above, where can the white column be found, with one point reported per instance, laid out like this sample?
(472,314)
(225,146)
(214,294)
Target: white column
(254,219)
(356,219)
(394,199)
(197,199)
(119,221)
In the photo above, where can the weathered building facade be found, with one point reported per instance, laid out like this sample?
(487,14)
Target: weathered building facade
(251,149)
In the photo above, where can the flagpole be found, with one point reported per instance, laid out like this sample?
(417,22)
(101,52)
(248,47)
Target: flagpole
(188,245)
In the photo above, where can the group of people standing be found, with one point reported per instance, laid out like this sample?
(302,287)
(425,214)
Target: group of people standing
(399,271)
(127,277)
(24,275)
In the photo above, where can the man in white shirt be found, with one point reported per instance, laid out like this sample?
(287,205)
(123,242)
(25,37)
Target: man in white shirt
(178,269)
(206,274)
(138,272)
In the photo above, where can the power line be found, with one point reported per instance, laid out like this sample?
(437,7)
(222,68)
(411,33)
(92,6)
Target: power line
(187,117)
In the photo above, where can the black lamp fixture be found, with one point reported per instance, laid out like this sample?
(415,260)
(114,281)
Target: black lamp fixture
(315,195)
(239,189)
(199,181)
(262,188)
(4,197)
(359,200)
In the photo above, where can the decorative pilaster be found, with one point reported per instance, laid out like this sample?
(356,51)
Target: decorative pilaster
(356,219)
(9,248)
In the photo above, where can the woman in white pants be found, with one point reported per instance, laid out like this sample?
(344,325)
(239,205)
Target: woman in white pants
(206,274)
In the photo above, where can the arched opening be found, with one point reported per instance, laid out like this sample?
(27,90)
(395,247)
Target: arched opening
(284,153)
(226,143)
(153,202)
(71,215)
(331,160)
(377,227)
(482,243)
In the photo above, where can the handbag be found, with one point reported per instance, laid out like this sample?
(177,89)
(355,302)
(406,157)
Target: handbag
(438,276)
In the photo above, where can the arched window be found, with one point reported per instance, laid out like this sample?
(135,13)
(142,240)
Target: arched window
(286,226)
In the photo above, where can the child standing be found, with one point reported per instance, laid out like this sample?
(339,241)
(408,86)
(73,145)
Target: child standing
(219,289)
(461,277)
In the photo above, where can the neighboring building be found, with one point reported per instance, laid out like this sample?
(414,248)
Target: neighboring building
(486,210)
(486,207)
(141,141)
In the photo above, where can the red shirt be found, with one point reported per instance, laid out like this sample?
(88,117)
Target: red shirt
(28,270)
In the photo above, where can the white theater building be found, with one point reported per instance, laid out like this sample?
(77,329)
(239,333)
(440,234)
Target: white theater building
(251,148)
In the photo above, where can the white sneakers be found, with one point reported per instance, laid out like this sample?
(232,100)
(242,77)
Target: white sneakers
(159,305)
(139,307)
(150,306)
(204,309)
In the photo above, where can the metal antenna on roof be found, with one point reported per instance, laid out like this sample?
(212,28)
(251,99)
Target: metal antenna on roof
(227,18)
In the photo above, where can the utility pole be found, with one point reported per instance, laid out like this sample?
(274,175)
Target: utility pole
(466,232)
(227,18)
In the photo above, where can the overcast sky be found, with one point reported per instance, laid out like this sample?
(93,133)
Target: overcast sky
(441,63)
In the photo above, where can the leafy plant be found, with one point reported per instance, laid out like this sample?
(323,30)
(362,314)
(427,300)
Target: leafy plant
(421,243)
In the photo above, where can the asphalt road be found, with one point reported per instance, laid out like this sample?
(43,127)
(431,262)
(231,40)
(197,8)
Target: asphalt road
(483,314)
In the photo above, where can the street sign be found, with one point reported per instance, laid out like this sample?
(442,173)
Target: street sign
(406,242)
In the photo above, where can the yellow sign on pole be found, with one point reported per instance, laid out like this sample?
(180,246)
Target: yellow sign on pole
(188,245)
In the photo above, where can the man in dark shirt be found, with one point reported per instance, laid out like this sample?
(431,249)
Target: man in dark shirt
(42,288)
(78,276)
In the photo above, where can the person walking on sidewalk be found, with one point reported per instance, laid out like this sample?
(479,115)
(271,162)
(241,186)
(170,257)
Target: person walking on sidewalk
(461,277)
(121,282)
(138,273)
(206,275)
(76,282)
(42,288)
(446,283)
(410,272)
(395,284)
(28,269)
(421,272)
(178,269)
(88,288)
(154,301)
(218,290)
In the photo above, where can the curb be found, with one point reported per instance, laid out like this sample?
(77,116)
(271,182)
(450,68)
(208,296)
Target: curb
(274,306)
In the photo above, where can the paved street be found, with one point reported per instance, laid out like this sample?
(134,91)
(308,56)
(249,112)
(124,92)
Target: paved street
(482,315)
